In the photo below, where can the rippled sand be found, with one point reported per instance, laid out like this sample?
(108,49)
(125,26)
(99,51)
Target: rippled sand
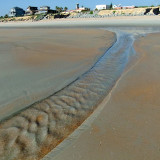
(128,126)
(35,131)
(37,62)
(32,133)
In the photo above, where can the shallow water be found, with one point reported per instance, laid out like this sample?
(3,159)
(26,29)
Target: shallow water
(35,131)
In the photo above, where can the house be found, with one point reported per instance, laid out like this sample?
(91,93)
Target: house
(16,12)
(46,10)
(122,7)
(82,9)
(128,7)
(117,6)
(101,7)
(31,10)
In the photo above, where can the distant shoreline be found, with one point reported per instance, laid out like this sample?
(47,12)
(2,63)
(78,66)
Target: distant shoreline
(90,22)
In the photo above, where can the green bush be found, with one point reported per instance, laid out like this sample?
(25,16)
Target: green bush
(6,16)
(91,12)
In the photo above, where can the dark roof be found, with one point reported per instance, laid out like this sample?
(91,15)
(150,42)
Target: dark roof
(32,7)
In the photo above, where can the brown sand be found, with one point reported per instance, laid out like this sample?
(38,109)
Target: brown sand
(128,127)
(36,62)
(35,131)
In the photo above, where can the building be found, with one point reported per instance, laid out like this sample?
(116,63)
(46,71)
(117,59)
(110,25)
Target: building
(82,9)
(16,12)
(46,10)
(123,7)
(128,7)
(117,6)
(31,10)
(101,7)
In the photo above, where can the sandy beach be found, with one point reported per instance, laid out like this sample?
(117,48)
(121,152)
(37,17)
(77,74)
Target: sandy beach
(118,89)
(36,63)
(127,128)
(119,21)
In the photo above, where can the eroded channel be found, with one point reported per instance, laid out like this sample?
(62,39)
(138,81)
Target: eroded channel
(34,132)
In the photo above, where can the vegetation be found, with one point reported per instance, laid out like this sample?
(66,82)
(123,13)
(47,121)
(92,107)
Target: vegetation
(6,16)
(91,12)
(65,8)
(39,17)
(59,9)
(114,12)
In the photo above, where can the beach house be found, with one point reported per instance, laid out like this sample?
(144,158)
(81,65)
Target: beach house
(117,6)
(102,7)
(16,12)
(46,10)
(128,7)
(31,10)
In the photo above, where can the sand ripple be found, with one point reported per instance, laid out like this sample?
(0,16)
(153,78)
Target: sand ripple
(34,132)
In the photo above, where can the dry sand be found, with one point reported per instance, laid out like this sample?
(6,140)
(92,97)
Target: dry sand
(131,21)
(128,126)
(36,62)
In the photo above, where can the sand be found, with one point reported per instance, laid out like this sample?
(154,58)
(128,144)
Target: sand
(36,130)
(115,133)
(127,128)
(117,21)
(35,63)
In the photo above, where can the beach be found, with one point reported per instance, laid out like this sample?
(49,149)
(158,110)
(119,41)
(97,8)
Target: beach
(36,63)
(103,104)
(127,127)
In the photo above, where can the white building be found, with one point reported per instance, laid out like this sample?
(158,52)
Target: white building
(128,7)
(101,7)
(117,6)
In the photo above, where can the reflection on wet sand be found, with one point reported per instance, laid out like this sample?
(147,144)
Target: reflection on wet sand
(37,130)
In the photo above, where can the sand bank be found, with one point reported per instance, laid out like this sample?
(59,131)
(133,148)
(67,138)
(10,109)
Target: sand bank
(128,126)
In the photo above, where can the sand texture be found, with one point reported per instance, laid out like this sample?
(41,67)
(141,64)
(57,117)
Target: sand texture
(118,21)
(35,131)
(37,62)
(128,126)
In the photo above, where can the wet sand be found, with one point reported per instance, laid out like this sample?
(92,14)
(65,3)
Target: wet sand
(37,62)
(127,128)
(34,132)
